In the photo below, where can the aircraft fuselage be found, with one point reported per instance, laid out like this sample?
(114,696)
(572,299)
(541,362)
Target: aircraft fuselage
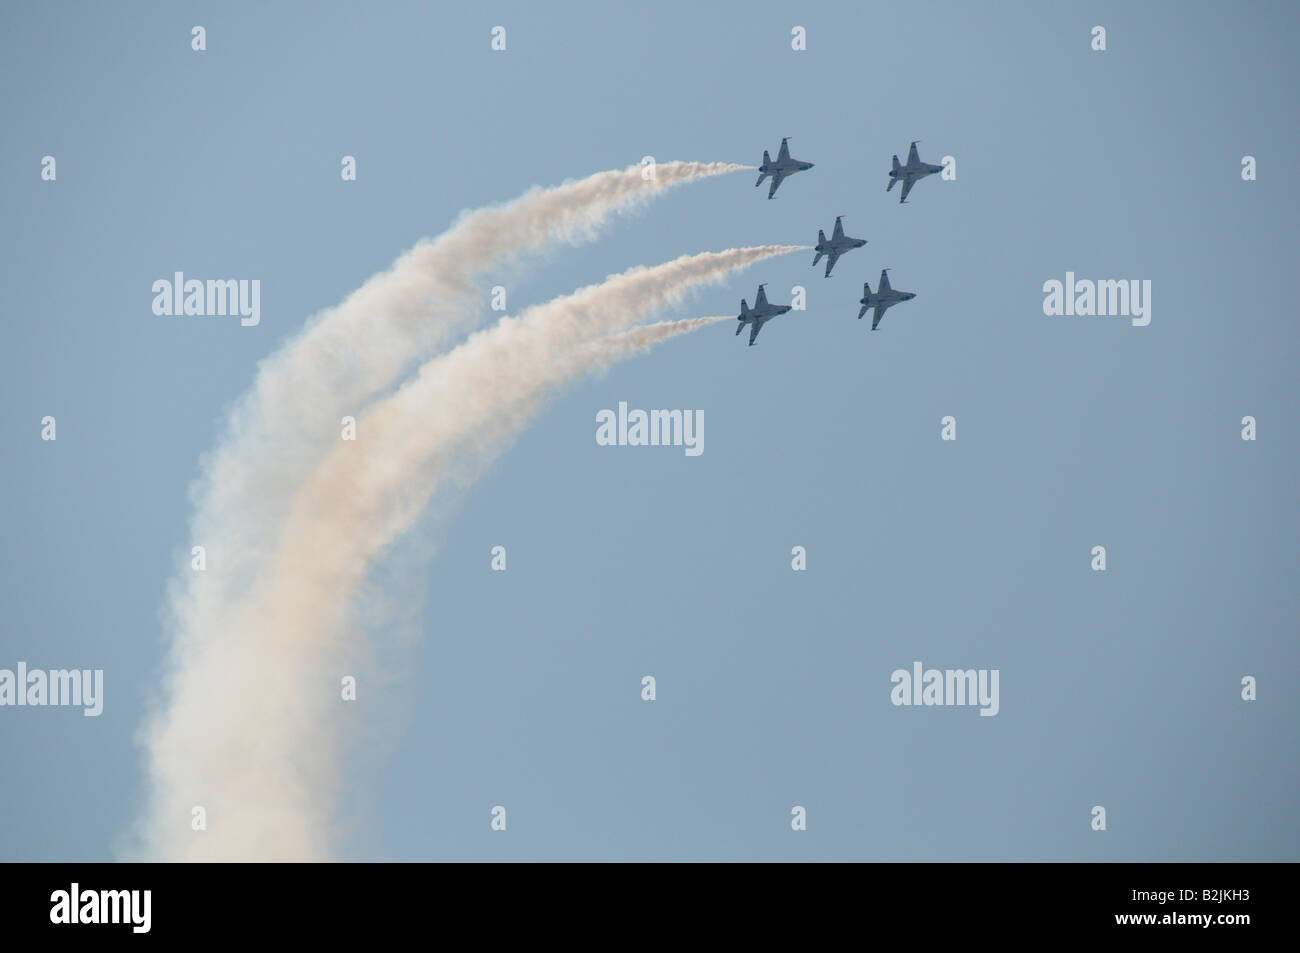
(916,173)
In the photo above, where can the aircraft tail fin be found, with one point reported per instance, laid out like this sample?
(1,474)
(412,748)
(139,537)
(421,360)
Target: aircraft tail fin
(818,257)
(821,237)
(761,177)
(897,166)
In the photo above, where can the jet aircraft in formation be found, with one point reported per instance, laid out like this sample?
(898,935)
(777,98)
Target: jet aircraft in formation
(838,245)
(761,313)
(910,174)
(782,167)
(885,296)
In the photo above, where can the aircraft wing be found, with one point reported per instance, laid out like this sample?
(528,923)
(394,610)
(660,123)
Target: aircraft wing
(880,313)
(784,154)
(831,259)
(908,182)
(884,283)
(777,178)
(761,301)
(839,231)
(912,157)
(753,332)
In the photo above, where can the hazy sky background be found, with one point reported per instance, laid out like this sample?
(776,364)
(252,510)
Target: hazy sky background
(1119,688)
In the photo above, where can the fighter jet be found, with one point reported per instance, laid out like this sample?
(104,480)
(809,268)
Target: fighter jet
(884,298)
(762,313)
(779,169)
(838,245)
(909,174)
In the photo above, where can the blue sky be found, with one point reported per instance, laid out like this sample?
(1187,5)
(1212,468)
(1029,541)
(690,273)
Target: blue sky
(1119,689)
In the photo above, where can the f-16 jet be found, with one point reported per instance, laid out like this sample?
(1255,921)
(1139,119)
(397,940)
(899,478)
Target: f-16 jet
(909,174)
(838,245)
(884,298)
(779,169)
(760,315)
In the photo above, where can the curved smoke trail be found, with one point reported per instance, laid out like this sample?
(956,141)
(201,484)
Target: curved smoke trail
(280,430)
(268,766)
(347,355)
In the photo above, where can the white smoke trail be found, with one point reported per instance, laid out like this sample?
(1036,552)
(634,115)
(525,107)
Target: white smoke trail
(487,387)
(349,354)
(269,765)
(280,430)
(617,347)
